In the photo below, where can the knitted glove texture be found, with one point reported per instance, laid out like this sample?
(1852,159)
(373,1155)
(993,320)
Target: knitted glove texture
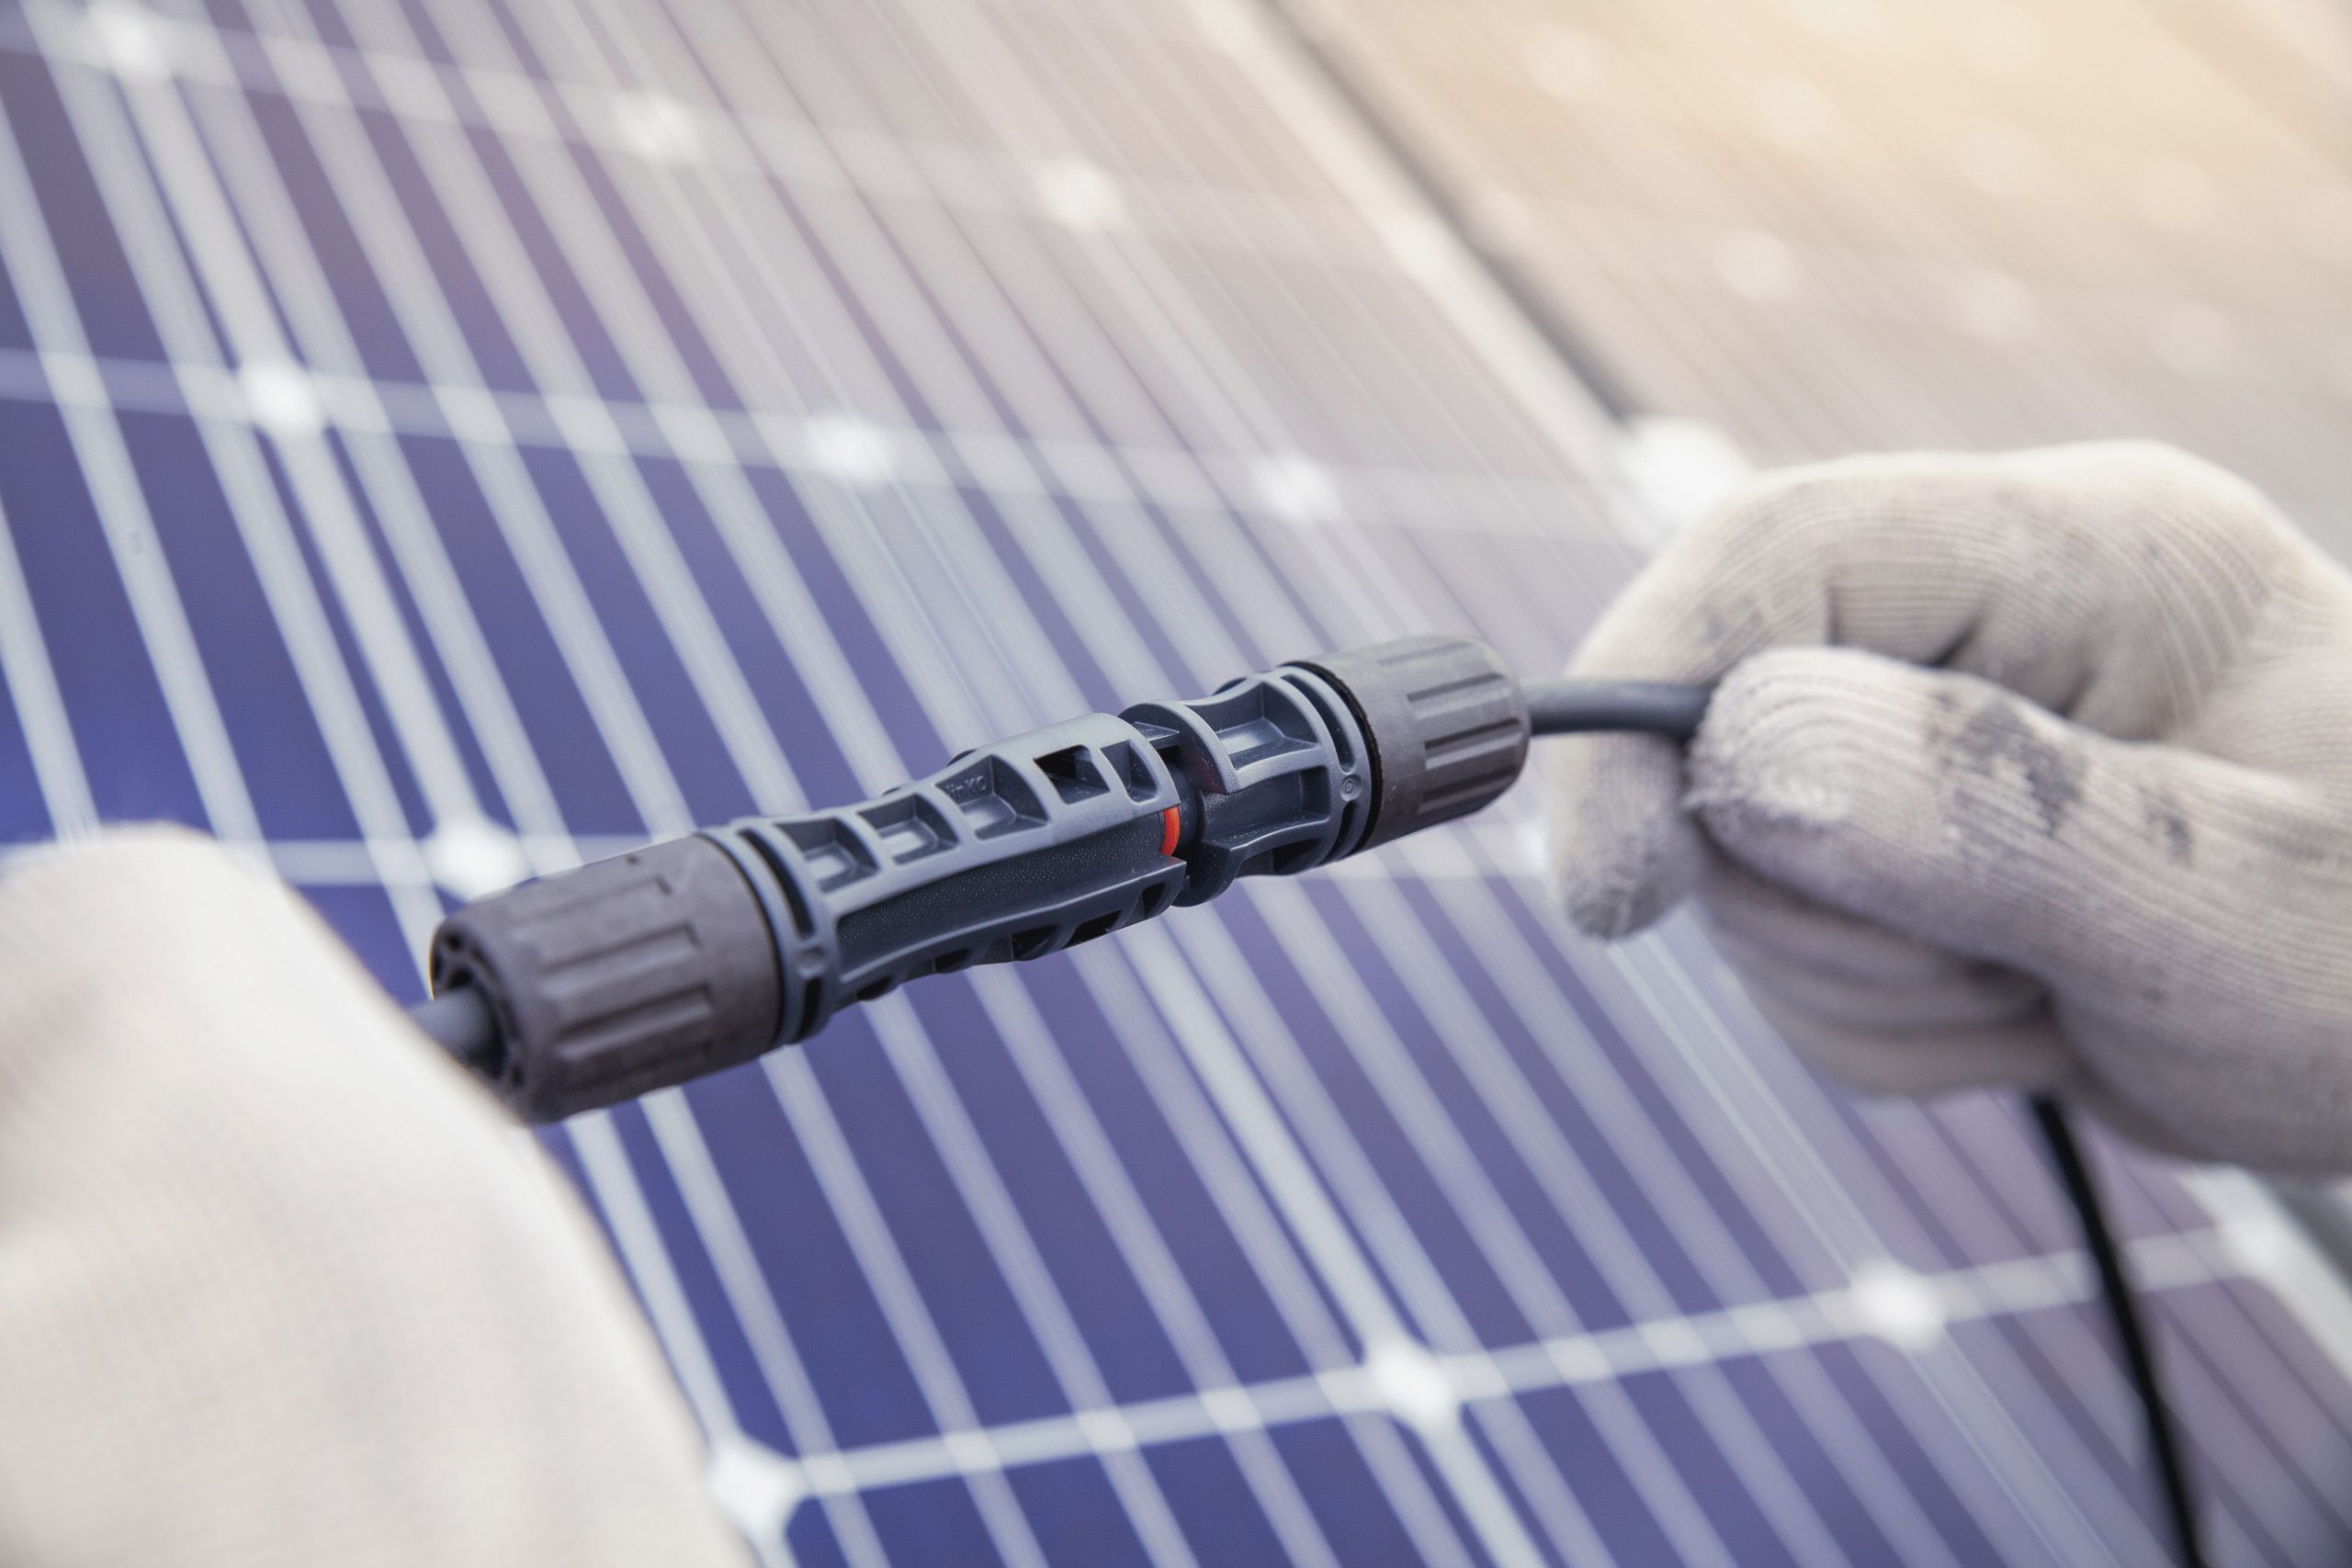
(279,1286)
(2030,771)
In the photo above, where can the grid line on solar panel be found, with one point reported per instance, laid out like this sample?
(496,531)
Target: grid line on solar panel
(1757,1330)
(1371,602)
(1802,233)
(660,128)
(97,446)
(203,43)
(851,450)
(39,706)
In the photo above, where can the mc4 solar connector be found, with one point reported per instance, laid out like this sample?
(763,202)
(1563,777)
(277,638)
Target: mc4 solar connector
(593,986)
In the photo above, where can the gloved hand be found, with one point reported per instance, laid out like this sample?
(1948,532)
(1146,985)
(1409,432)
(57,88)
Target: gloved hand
(2029,770)
(277,1285)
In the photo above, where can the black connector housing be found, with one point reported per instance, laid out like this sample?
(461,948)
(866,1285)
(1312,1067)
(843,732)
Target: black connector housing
(688,956)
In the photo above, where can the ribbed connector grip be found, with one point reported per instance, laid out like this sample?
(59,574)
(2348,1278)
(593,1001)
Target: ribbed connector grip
(625,975)
(692,955)
(1445,721)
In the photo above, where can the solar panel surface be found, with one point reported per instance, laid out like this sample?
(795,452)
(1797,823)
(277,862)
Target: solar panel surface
(441,441)
(1825,226)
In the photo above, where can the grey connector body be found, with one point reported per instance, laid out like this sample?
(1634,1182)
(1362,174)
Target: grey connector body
(694,954)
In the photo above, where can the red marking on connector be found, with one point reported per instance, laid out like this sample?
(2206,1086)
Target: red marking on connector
(1171,822)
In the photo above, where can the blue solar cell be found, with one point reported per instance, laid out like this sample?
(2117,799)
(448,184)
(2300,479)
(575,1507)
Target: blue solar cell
(23,818)
(811,1541)
(113,314)
(15,337)
(96,653)
(1371,1498)
(932,1522)
(364,917)
(1080,1515)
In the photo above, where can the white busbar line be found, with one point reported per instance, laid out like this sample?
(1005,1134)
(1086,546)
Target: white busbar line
(2013,1287)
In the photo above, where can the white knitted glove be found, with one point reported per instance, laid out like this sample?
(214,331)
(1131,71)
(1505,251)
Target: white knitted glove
(277,1286)
(1927,879)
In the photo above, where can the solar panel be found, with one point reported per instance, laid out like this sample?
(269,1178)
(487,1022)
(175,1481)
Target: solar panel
(444,441)
(1823,225)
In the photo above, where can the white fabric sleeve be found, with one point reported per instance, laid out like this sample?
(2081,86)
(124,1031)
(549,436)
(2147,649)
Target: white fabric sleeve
(279,1286)
(2027,771)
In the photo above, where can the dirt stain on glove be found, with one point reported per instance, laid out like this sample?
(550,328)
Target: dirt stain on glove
(1985,740)
(2167,824)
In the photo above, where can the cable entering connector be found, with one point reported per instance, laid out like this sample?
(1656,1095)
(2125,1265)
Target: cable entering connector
(1583,707)
(459,1022)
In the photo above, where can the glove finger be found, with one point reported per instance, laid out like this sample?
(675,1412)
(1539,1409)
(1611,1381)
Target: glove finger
(1622,850)
(1945,808)
(1785,927)
(1840,969)
(2028,1053)
(1957,1002)
(2112,582)
(2127,1120)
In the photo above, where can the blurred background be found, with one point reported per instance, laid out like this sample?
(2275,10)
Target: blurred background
(442,440)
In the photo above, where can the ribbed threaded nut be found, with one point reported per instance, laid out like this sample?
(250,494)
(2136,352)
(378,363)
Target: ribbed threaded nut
(1445,721)
(622,976)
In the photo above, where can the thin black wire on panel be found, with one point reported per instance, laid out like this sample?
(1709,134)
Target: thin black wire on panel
(2130,1334)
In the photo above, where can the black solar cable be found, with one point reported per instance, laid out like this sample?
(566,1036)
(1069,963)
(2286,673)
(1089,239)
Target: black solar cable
(2130,1332)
